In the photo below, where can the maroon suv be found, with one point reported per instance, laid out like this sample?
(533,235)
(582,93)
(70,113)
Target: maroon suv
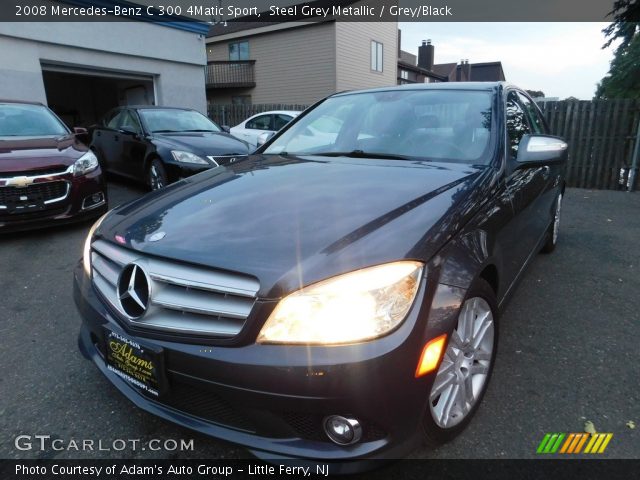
(47,175)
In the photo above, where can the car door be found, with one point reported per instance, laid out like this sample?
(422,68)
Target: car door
(105,140)
(134,145)
(550,173)
(525,187)
(256,126)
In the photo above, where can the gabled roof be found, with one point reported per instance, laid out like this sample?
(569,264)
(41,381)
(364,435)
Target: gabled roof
(423,71)
(444,69)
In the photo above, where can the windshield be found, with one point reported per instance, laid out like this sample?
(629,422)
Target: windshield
(438,125)
(175,120)
(19,120)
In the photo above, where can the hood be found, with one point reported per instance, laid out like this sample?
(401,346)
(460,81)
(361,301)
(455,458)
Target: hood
(28,155)
(292,221)
(204,143)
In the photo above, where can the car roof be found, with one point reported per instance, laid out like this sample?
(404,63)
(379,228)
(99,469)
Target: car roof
(23,102)
(152,107)
(286,112)
(479,86)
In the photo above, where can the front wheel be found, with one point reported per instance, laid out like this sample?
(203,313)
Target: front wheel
(554,230)
(157,175)
(466,367)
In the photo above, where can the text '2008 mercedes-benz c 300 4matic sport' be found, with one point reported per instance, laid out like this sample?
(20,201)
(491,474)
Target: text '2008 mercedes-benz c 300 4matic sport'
(336,295)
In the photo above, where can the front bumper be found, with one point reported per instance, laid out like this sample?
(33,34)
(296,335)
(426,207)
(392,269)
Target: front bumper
(272,399)
(73,208)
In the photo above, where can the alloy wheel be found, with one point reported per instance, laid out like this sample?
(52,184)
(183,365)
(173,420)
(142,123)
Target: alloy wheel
(465,366)
(155,178)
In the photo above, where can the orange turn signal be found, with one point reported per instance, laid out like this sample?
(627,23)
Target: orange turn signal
(430,357)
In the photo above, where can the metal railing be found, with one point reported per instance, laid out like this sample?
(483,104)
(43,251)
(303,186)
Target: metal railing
(230,74)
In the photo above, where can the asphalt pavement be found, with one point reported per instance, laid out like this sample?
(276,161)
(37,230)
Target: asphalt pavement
(568,350)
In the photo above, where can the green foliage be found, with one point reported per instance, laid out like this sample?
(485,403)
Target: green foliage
(623,79)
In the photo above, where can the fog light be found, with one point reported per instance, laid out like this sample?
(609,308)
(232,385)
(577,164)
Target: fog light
(93,200)
(342,430)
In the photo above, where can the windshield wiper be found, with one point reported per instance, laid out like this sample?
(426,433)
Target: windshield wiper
(202,130)
(360,154)
(166,131)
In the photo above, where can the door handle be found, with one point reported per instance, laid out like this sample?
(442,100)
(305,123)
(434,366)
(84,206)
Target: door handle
(545,171)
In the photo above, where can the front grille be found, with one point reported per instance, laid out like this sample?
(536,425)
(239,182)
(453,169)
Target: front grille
(37,192)
(206,405)
(184,299)
(17,217)
(35,173)
(226,159)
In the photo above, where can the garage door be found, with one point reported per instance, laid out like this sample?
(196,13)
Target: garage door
(82,96)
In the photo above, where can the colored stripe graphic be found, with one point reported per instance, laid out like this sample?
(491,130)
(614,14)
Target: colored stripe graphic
(595,443)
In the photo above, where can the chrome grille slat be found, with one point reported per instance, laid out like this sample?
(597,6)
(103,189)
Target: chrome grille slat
(194,301)
(184,299)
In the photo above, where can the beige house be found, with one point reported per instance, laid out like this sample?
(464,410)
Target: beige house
(298,62)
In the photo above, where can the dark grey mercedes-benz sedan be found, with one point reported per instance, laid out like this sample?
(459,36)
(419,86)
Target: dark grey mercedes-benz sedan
(336,295)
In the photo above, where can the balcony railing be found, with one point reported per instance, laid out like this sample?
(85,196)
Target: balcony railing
(232,74)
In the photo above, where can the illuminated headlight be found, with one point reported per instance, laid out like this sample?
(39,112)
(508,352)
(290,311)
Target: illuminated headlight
(85,164)
(86,253)
(353,307)
(188,157)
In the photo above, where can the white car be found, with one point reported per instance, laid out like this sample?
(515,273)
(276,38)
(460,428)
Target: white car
(265,122)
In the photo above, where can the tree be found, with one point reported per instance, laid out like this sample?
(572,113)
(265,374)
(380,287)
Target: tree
(535,93)
(623,79)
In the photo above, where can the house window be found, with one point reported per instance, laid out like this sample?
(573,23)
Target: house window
(404,74)
(376,56)
(241,100)
(239,51)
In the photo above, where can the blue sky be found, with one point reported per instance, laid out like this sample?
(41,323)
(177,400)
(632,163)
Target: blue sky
(561,59)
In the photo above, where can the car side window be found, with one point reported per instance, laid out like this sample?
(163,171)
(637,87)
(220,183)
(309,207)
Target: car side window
(517,125)
(533,116)
(263,122)
(280,121)
(130,121)
(113,119)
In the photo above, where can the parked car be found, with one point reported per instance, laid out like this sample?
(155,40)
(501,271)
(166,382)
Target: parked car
(47,175)
(160,145)
(265,122)
(350,306)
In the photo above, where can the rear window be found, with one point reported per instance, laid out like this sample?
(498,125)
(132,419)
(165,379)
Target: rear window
(18,120)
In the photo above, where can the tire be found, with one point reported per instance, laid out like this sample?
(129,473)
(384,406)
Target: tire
(554,229)
(157,175)
(446,415)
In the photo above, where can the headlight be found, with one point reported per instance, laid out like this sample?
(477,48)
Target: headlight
(188,157)
(85,164)
(354,307)
(86,253)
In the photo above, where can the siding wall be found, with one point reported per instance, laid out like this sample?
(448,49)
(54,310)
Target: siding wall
(353,45)
(292,66)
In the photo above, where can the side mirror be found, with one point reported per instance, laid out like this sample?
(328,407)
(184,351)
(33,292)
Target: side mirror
(264,138)
(81,134)
(226,128)
(539,150)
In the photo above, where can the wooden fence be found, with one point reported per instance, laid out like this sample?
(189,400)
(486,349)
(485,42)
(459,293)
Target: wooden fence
(601,136)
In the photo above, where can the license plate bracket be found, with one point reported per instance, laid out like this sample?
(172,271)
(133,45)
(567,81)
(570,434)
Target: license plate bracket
(140,365)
